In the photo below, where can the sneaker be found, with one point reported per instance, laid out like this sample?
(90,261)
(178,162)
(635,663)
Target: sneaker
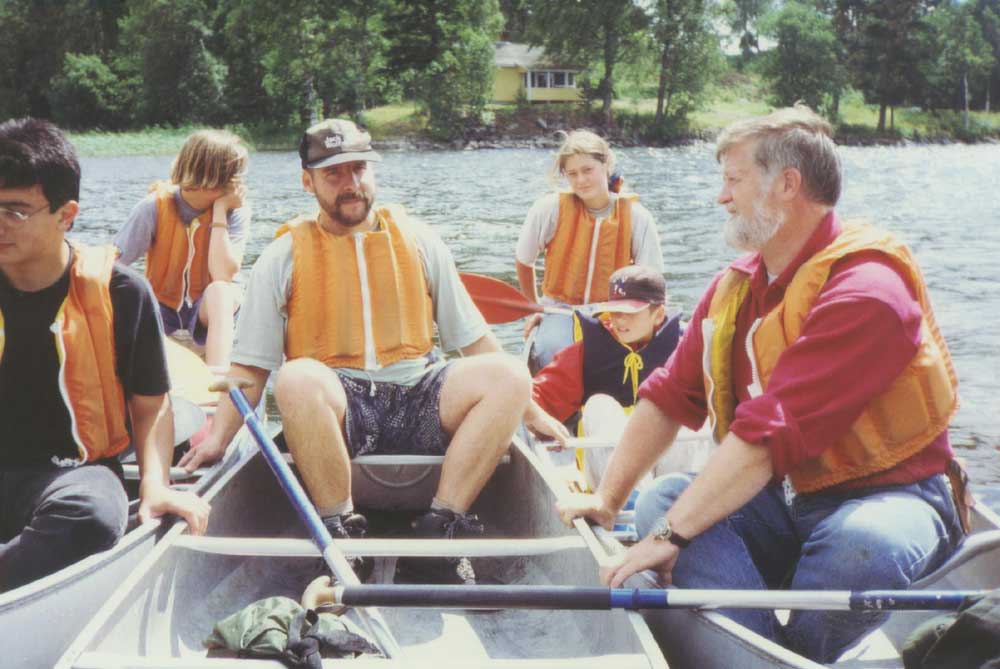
(351,526)
(440,523)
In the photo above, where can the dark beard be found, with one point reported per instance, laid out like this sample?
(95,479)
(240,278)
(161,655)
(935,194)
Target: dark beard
(338,215)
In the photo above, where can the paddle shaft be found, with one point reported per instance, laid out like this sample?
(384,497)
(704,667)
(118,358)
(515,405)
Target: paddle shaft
(587,598)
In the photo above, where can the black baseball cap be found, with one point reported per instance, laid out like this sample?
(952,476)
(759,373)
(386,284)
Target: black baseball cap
(633,288)
(335,141)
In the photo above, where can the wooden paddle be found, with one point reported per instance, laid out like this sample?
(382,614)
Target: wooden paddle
(501,302)
(590,598)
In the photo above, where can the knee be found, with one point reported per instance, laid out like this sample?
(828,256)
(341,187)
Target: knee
(510,376)
(601,402)
(95,518)
(656,498)
(298,381)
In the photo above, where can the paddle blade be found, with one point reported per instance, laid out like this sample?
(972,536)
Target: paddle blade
(499,302)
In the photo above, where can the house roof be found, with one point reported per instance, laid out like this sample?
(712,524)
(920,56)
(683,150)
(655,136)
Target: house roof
(525,57)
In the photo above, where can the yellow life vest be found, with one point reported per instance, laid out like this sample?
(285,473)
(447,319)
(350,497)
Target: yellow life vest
(573,256)
(177,262)
(894,425)
(85,342)
(358,296)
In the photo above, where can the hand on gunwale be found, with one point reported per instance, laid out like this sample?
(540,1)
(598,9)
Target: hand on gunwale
(157,500)
(585,505)
(205,453)
(659,556)
(544,424)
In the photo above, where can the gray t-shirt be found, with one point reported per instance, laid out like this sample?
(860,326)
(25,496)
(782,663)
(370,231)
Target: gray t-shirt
(260,329)
(543,218)
(139,232)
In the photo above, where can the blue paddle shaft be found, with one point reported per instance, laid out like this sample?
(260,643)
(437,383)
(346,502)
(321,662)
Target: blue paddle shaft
(286,479)
(590,598)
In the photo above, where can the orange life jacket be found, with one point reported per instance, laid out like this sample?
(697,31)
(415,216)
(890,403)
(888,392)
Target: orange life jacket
(358,300)
(177,262)
(574,259)
(85,342)
(894,425)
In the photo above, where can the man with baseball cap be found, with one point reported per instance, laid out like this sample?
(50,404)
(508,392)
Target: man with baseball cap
(598,375)
(343,305)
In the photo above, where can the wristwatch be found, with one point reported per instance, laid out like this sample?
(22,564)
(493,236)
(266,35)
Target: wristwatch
(663,532)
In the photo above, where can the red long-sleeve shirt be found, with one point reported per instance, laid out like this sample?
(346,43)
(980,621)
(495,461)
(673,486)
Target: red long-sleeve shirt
(558,387)
(861,333)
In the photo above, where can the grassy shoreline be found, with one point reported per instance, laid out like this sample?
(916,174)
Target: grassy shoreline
(512,126)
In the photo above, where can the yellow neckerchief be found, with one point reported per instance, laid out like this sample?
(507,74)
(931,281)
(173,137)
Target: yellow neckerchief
(633,361)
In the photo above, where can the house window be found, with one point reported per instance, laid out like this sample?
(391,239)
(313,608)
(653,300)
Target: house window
(540,80)
(558,80)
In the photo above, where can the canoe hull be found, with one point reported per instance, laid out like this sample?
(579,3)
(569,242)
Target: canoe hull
(170,604)
(694,639)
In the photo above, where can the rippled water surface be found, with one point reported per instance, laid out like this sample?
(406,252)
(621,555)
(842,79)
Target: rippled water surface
(943,200)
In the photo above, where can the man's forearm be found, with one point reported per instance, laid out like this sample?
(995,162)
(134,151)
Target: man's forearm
(153,432)
(648,433)
(227,420)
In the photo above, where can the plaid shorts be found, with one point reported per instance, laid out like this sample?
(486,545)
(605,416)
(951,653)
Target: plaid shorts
(392,419)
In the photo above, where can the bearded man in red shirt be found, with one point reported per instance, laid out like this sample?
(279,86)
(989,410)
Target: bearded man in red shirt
(818,363)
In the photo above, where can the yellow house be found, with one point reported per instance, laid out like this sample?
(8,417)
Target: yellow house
(525,70)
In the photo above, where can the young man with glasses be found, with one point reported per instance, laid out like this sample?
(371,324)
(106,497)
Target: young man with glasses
(82,372)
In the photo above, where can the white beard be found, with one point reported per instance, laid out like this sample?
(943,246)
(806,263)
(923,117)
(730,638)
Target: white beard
(753,233)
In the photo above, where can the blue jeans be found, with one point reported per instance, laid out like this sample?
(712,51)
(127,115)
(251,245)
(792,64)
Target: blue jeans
(875,538)
(555,333)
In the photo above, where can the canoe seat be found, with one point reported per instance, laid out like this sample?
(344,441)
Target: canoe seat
(397,460)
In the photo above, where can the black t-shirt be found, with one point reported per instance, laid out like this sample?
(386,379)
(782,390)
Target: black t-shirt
(34,420)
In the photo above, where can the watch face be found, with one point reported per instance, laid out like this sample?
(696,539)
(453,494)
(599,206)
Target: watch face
(661,530)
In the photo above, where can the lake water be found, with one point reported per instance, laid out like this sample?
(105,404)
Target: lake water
(942,200)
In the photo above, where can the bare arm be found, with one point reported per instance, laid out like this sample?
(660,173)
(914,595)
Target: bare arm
(227,420)
(526,280)
(153,434)
(648,433)
(735,473)
(223,260)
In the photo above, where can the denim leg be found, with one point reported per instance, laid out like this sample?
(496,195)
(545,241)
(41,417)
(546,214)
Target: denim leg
(884,538)
(752,549)
(67,514)
(555,333)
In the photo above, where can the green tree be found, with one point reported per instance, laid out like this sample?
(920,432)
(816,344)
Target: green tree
(803,64)
(960,55)
(587,30)
(517,18)
(742,16)
(988,14)
(88,94)
(164,46)
(443,53)
(688,55)
(885,53)
(37,36)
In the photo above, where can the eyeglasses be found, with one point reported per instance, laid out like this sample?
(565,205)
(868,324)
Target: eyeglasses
(15,217)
